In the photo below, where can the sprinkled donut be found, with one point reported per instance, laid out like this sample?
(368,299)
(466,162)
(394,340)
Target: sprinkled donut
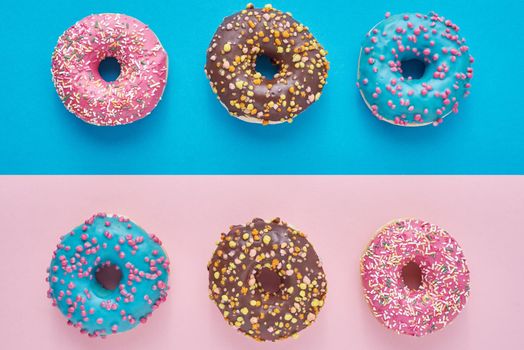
(267,280)
(246,93)
(108,275)
(444,285)
(407,101)
(85,93)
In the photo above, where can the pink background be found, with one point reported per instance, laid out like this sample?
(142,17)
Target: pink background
(339,214)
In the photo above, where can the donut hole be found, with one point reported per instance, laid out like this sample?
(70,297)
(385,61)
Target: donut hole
(266,66)
(412,68)
(109,69)
(268,280)
(108,276)
(412,275)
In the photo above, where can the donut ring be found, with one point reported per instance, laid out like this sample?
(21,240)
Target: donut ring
(244,92)
(138,89)
(108,245)
(267,280)
(445,277)
(402,101)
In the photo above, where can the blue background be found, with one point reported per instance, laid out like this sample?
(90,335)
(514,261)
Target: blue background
(190,132)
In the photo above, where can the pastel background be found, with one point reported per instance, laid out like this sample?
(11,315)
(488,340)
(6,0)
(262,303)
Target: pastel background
(339,214)
(190,132)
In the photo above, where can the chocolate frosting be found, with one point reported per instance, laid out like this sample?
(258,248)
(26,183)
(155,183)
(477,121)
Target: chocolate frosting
(267,280)
(244,92)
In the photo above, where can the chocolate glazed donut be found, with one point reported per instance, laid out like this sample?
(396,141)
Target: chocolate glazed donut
(267,280)
(246,93)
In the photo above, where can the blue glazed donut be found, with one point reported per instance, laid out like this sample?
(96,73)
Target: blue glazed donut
(408,101)
(108,275)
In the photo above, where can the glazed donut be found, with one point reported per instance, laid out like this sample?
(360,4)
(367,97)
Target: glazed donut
(246,93)
(444,285)
(405,101)
(108,275)
(85,93)
(267,280)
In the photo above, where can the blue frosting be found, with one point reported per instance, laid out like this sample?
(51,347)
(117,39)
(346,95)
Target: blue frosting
(406,101)
(100,241)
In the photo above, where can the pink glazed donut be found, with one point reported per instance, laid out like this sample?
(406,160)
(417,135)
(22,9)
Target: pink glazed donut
(444,287)
(143,75)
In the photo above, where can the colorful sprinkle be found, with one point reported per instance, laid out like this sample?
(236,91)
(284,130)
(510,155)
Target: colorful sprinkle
(445,277)
(143,76)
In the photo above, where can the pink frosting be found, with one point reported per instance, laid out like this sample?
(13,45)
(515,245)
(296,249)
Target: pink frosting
(143,76)
(445,277)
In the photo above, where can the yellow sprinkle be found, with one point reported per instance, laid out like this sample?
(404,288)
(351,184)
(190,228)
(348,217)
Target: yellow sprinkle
(266,239)
(244,311)
(227,47)
(216,275)
(232,244)
(288,317)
